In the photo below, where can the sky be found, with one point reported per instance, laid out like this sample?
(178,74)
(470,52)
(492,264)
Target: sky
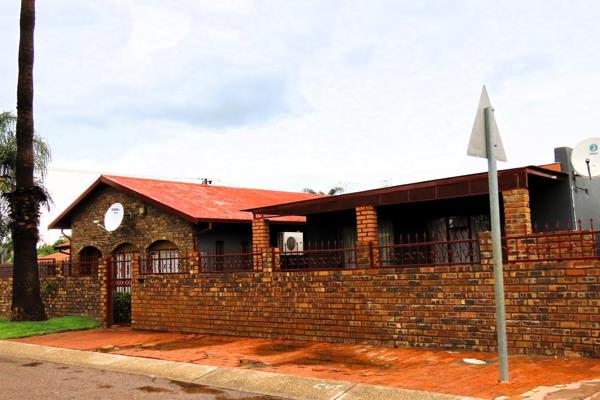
(288,94)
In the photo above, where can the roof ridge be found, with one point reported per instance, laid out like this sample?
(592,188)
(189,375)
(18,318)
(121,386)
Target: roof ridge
(205,185)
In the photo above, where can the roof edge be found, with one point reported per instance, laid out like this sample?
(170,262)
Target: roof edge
(272,210)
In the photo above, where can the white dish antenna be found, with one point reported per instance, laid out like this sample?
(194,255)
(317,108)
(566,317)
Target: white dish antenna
(114,217)
(585,158)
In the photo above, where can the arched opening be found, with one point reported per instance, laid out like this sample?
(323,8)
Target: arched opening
(163,257)
(122,256)
(125,248)
(87,263)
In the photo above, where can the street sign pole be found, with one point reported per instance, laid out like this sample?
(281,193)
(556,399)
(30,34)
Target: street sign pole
(496,245)
(485,142)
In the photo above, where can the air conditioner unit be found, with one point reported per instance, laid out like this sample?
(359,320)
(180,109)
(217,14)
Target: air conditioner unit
(291,242)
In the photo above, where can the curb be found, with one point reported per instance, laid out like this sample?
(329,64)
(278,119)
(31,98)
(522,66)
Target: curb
(259,382)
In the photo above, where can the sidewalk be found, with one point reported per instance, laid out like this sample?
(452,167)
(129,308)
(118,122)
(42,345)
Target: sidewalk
(417,369)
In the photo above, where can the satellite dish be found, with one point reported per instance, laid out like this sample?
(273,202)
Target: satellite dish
(113,217)
(585,157)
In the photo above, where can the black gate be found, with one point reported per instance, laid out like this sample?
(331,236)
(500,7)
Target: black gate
(119,288)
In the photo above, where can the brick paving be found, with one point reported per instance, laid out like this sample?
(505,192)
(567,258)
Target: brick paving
(419,369)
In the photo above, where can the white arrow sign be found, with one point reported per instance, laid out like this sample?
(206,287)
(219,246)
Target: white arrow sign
(477,141)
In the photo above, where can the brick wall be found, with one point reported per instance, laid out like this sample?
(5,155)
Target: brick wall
(552,308)
(5,297)
(138,228)
(61,296)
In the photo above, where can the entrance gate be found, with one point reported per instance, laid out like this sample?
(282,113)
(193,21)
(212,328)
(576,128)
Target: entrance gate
(119,288)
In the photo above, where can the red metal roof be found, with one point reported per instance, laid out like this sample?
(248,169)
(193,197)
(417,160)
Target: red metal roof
(64,245)
(194,202)
(438,189)
(58,256)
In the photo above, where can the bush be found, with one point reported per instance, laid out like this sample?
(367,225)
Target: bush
(49,288)
(121,307)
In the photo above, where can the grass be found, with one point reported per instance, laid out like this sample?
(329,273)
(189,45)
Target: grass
(12,330)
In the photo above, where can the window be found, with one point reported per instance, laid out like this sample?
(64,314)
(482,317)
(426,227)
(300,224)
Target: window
(122,257)
(164,257)
(89,258)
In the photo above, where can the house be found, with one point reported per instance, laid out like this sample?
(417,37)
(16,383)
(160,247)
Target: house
(444,215)
(167,219)
(164,223)
(62,253)
(408,265)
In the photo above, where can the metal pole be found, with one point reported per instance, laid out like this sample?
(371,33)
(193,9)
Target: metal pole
(496,248)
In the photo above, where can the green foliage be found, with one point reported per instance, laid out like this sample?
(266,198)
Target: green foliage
(50,288)
(6,251)
(121,307)
(11,330)
(46,249)
(8,165)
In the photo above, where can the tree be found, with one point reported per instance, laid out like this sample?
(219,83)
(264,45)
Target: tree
(8,163)
(25,199)
(47,249)
(333,191)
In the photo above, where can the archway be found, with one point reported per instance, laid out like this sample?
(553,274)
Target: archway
(163,257)
(87,262)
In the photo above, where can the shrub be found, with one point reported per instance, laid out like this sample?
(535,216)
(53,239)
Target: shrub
(121,307)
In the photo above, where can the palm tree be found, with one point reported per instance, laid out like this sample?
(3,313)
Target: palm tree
(25,199)
(333,191)
(8,162)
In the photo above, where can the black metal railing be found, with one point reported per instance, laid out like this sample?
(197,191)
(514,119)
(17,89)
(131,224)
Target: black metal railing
(6,271)
(448,252)
(154,264)
(324,255)
(80,268)
(46,268)
(553,246)
(232,262)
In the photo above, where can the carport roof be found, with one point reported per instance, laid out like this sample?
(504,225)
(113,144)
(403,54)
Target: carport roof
(194,202)
(439,189)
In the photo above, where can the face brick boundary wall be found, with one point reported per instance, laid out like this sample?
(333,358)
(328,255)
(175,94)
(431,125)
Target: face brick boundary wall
(551,308)
(61,296)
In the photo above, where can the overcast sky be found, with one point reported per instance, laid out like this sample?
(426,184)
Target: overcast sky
(293,94)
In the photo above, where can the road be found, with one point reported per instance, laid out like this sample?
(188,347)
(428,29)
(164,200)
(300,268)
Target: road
(26,379)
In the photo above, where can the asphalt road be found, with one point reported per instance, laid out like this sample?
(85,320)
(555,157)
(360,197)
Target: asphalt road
(26,379)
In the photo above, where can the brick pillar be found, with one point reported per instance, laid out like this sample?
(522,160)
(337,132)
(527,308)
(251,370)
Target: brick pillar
(367,241)
(58,269)
(194,262)
(517,214)
(260,239)
(276,261)
(486,254)
(103,285)
(135,289)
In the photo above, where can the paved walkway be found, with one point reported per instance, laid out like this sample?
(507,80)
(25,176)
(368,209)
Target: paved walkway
(418,369)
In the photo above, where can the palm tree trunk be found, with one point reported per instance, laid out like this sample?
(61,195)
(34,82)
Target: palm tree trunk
(25,200)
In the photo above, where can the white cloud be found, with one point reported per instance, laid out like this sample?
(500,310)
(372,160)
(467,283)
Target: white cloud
(293,94)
